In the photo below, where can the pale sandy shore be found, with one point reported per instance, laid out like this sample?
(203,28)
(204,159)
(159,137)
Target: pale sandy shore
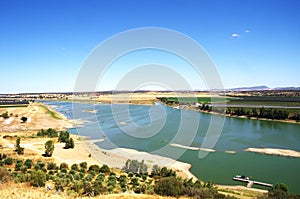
(118,156)
(274,151)
(192,148)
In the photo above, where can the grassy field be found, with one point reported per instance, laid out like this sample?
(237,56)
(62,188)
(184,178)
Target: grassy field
(205,100)
(266,101)
(13,105)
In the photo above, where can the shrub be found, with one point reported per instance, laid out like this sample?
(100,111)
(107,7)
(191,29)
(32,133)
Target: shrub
(100,177)
(94,168)
(75,167)
(18,165)
(49,148)
(28,163)
(63,165)
(104,169)
(51,165)
(38,178)
(19,149)
(168,186)
(69,144)
(83,165)
(63,136)
(8,161)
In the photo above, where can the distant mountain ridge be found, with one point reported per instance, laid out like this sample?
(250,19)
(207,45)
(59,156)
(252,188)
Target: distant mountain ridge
(260,88)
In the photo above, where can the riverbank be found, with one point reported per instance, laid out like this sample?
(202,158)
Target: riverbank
(274,151)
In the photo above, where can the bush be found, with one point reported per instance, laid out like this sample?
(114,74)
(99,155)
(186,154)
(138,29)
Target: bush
(38,178)
(83,165)
(49,148)
(19,149)
(28,163)
(75,167)
(63,165)
(8,161)
(94,168)
(63,136)
(51,166)
(18,165)
(104,169)
(100,177)
(169,186)
(69,144)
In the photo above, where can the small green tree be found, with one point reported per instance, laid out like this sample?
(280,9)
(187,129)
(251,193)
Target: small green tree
(49,148)
(69,144)
(38,178)
(19,149)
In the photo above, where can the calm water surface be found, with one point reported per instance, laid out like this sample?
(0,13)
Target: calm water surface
(237,135)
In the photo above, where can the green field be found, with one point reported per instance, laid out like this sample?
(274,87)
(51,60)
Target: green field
(266,101)
(13,105)
(189,100)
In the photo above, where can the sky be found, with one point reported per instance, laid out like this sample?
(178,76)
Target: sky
(44,43)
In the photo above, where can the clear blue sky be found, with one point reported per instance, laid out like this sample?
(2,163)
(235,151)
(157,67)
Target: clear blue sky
(44,42)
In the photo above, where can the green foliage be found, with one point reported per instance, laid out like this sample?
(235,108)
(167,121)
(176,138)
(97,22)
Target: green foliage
(51,166)
(18,165)
(83,165)
(5,115)
(169,186)
(135,166)
(49,148)
(104,169)
(63,136)
(63,165)
(69,144)
(75,167)
(100,177)
(18,148)
(38,178)
(28,163)
(47,133)
(8,161)
(94,168)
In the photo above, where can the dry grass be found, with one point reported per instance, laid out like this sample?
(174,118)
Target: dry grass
(23,191)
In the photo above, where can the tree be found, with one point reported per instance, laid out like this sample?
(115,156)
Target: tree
(49,148)
(24,119)
(104,169)
(19,149)
(169,186)
(38,178)
(63,136)
(69,144)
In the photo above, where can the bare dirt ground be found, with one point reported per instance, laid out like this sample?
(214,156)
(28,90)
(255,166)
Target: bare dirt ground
(38,116)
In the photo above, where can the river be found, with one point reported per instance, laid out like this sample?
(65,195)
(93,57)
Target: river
(237,135)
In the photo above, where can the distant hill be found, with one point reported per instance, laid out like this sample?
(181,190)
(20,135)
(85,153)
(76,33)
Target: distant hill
(287,88)
(261,88)
(252,88)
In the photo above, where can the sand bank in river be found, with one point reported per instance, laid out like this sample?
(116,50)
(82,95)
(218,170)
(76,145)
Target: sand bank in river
(273,151)
(192,148)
